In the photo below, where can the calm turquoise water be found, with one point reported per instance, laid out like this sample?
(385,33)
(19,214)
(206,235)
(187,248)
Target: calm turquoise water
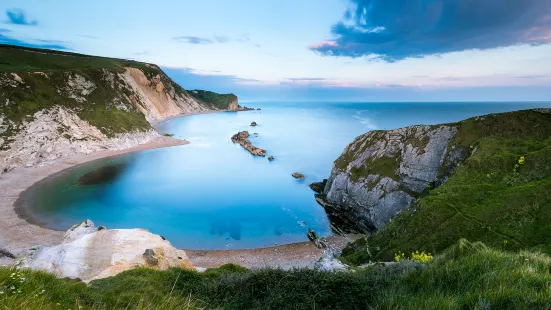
(212,194)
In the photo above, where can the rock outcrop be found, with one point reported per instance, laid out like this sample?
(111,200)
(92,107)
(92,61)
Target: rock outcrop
(88,254)
(241,138)
(298,175)
(382,172)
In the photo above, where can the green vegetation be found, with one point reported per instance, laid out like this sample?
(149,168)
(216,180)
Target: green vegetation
(216,101)
(110,105)
(500,195)
(467,275)
(23,59)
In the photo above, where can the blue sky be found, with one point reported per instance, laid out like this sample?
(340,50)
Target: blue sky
(306,50)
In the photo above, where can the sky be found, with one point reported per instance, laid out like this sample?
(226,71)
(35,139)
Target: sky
(311,50)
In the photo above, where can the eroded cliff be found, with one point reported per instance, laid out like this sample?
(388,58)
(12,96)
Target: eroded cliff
(54,104)
(487,178)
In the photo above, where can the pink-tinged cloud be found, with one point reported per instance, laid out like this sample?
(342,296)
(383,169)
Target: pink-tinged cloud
(323,44)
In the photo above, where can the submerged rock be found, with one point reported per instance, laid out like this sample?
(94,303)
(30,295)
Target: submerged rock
(241,138)
(298,175)
(271,158)
(100,254)
(102,175)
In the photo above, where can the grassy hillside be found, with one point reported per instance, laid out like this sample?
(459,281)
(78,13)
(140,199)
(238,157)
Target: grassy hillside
(46,82)
(217,101)
(500,195)
(23,59)
(466,276)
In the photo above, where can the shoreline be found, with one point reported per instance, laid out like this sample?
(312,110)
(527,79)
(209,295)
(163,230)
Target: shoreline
(16,233)
(20,232)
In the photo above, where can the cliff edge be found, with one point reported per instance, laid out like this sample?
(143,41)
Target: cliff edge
(54,104)
(487,179)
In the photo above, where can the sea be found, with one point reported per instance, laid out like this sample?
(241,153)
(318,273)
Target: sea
(213,194)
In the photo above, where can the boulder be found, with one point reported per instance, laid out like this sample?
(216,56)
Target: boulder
(298,175)
(89,254)
(271,158)
(253,124)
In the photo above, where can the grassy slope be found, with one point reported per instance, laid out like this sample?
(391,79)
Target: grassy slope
(468,275)
(217,101)
(484,200)
(40,92)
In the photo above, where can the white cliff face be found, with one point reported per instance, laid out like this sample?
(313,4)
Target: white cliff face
(156,100)
(58,132)
(382,172)
(89,254)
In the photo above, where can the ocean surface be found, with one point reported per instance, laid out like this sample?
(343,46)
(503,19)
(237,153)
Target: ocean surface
(212,194)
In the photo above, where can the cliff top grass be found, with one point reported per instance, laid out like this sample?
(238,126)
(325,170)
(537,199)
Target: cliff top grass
(465,276)
(217,101)
(24,59)
(500,195)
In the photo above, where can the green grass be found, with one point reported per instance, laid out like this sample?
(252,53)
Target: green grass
(20,103)
(484,200)
(23,59)
(465,276)
(216,101)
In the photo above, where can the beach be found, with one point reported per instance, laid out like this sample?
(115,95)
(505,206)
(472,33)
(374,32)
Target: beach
(16,234)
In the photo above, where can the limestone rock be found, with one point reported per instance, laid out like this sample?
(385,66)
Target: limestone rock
(241,138)
(318,186)
(105,253)
(234,105)
(382,172)
(59,132)
(79,230)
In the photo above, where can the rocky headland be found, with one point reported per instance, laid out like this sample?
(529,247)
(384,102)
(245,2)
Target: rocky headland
(478,178)
(241,138)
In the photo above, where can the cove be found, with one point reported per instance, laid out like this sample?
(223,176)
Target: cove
(212,194)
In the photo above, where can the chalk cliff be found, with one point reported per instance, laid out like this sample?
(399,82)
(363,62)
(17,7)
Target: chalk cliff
(54,104)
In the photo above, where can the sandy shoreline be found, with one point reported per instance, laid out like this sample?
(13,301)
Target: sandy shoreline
(16,234)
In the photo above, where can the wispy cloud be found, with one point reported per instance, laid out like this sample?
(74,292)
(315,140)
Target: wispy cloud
(193,40)
(211,40)
(532,77)
(19,17)
(305,79)
(87,36)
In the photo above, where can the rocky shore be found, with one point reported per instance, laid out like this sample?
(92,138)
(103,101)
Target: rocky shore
(241,138)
